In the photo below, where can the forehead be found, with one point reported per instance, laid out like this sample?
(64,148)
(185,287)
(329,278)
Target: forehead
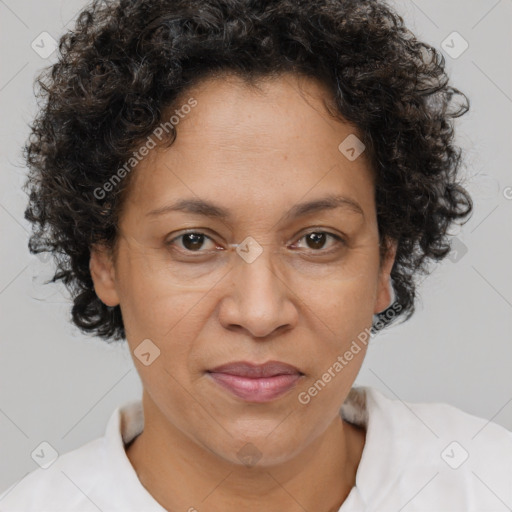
(266,145)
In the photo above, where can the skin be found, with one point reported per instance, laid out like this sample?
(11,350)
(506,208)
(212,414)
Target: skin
(257,152)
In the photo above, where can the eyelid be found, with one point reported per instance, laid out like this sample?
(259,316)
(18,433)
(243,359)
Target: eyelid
(320,229)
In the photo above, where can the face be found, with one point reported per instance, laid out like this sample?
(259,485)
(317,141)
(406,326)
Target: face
(299,290)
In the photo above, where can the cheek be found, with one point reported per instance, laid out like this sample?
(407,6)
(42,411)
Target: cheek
(341,325)
(152,306)
(172,319)
(341,317)
(343,308)
(166,316)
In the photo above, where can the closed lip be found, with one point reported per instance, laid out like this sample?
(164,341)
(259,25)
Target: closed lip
(256,371)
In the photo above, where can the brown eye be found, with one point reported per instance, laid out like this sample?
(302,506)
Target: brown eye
(316,240)
(193,241)
(190,242)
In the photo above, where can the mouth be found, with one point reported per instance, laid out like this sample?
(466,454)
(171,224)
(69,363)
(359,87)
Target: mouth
(256,383)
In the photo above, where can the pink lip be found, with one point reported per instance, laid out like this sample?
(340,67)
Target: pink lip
(256,383)
(256,390)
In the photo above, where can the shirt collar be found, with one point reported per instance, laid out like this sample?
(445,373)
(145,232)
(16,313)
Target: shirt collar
(126,422)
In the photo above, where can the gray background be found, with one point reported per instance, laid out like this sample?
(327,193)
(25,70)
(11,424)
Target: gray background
(61,387)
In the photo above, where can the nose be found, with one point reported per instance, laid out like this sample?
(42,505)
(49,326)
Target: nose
(258,299)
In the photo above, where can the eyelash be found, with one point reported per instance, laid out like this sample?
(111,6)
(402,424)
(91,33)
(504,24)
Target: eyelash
(338,238)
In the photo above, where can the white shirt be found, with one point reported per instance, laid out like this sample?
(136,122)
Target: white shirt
(424,457)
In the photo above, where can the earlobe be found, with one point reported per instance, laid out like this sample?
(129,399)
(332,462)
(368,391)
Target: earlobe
(385,293)
(102,272)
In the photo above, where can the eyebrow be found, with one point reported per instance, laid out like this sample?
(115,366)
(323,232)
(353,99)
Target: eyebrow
(208,209)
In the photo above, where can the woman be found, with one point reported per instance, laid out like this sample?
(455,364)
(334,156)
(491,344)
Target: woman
(245,191)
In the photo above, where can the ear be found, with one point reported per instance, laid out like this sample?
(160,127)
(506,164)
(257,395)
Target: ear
(384,297)
(102,272)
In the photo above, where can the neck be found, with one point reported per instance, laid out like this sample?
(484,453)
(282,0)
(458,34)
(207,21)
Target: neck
(183,475)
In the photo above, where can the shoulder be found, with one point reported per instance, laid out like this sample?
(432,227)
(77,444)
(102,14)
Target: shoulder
(455,458)
(64,485)
(444,415)
(95,476)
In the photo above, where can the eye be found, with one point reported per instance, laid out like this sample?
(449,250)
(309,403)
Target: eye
(191,242)
(194,241)
(316,240)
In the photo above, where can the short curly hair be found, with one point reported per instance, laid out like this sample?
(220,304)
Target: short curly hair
(127,62)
